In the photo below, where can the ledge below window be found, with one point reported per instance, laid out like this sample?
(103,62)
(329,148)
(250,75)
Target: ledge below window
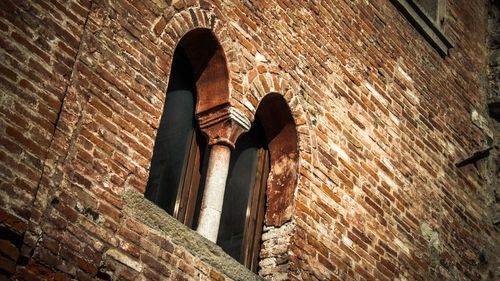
(156,218)
(426,26)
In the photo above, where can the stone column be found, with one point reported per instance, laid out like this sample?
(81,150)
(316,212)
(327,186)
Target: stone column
(222,128)
(213,196)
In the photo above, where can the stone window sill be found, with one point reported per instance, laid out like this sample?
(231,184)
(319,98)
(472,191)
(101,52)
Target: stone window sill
(425,25)
(159,220)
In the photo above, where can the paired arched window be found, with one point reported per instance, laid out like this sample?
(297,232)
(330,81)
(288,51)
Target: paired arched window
(181,151)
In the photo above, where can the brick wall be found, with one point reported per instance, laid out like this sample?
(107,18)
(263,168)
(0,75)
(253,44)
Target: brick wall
(39,44)
(382,118)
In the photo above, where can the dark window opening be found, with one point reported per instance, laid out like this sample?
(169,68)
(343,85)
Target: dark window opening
(180,148)
(244,199)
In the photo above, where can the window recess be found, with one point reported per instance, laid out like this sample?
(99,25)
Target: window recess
(180,149)
(244,200)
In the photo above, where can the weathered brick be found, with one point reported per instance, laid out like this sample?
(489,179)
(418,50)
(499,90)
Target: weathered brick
(9,250)
(382,120)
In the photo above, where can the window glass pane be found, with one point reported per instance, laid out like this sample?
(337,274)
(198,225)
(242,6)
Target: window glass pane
(173,137)
(240,181)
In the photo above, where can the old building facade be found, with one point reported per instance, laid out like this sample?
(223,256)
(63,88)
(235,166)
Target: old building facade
(373,133)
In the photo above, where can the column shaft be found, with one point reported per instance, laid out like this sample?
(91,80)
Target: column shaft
(213,196)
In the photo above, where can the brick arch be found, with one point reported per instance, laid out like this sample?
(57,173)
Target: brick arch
(188,21)
(270,83)
(214,88)
(209,67)
(281,185)
(260,84)
(195,17)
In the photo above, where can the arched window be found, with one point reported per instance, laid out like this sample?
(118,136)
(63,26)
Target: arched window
(176,171)
(198,85)
(263,169)
(244,200)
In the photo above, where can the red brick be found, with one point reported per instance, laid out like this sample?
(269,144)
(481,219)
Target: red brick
(9,250)
(91,133)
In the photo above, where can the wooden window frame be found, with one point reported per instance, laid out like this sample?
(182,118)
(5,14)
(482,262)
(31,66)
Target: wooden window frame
(431,29)
(189,186)
(183,204)
(255,213)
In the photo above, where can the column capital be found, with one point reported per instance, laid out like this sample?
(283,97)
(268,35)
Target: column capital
(223,125)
